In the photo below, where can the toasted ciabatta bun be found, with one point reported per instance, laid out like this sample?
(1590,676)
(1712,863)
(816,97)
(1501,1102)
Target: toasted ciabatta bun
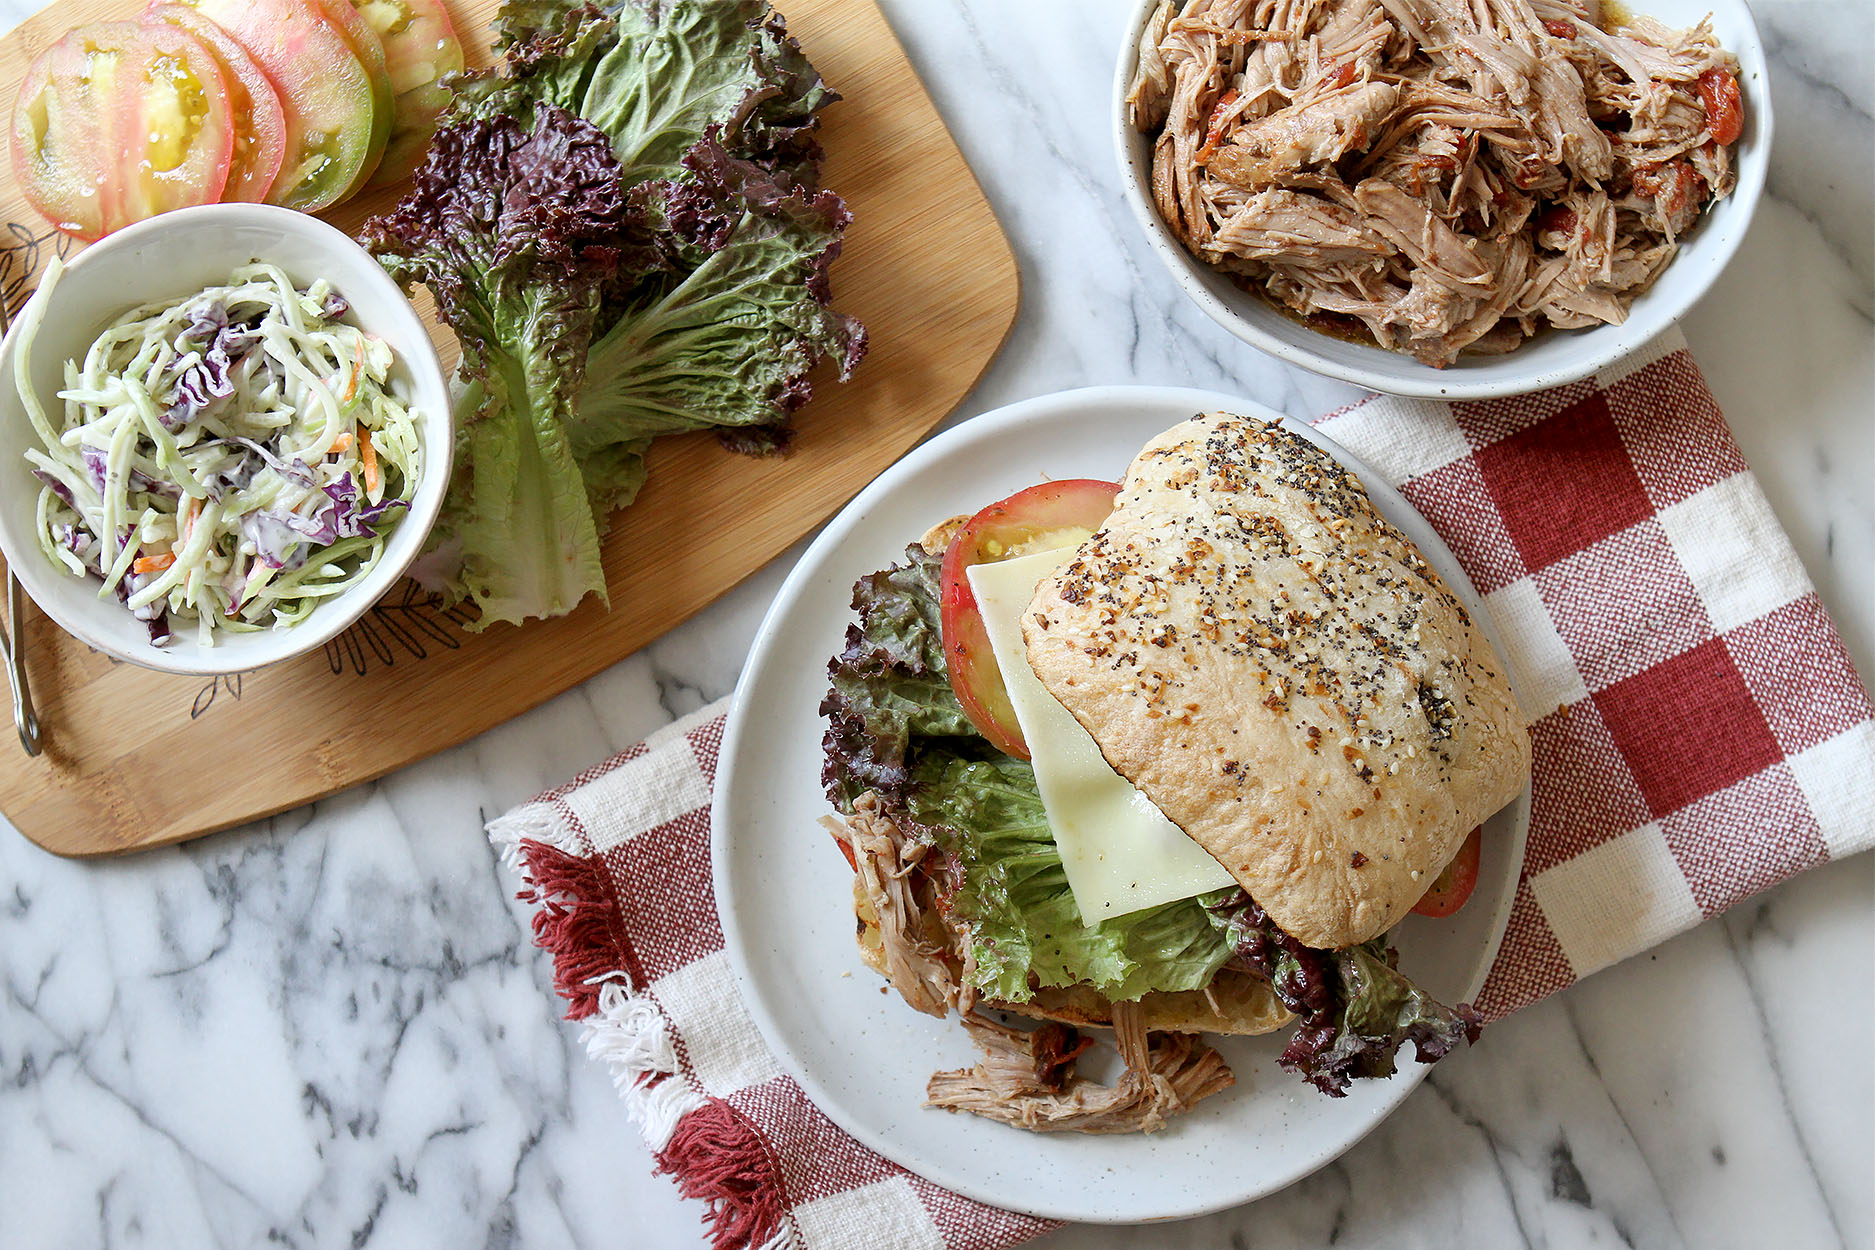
(1284,676)
(939,536)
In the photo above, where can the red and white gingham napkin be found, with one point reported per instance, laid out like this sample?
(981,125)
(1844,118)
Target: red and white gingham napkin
(1700,735)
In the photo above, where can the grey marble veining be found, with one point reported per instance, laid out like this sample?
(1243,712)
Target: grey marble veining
(332,1029)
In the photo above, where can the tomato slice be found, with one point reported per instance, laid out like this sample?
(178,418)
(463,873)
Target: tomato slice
(117,122)
(1054,514)
(420,48)
(259,121)
(1453,886)
(61,156)
(369,49)
(175,140)
(333,114)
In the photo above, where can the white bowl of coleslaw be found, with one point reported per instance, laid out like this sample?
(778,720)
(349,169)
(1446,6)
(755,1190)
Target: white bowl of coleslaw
(175,257)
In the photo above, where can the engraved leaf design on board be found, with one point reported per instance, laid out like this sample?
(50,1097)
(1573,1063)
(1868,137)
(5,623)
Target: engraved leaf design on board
(410,620)
(230,683)
(22,254)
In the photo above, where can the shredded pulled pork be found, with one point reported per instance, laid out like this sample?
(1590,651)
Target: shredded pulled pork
(1442,176)
(914,945)
(1024,1079)
(1028,1080)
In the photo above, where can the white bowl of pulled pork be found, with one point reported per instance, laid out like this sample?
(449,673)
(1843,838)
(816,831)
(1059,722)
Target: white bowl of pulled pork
(1438,198)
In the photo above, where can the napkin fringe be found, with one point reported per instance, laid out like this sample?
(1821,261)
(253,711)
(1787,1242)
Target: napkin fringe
(709,1149)
(532,822)
(633,1039)
(573,914)
(716,1156)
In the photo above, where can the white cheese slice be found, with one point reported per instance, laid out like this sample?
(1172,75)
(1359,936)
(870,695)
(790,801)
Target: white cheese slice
(1120,852)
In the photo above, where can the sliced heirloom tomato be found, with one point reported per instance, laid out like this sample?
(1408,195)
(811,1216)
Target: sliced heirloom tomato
(1452,887)
(369,49)
(420,48)
(61,149)
(334,124)
(117,122)
(1041,518)
(259,121)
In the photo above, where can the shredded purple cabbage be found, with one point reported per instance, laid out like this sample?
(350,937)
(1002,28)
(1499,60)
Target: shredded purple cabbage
(238,474)
(205,378)
(276,537)
(349,518)
(58,487)
(295,470)
(200,384)
(78,540)
(154,615)
(275,532)
(234,585)
(205,322)
(139,480)
(95,461)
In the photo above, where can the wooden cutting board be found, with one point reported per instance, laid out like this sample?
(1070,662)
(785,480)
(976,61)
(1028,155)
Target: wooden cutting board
(135,759)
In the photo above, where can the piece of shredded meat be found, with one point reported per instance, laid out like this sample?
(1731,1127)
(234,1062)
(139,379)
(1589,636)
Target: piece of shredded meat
(1448,175)
(1024,1079)
(913,945)
(1028,1080)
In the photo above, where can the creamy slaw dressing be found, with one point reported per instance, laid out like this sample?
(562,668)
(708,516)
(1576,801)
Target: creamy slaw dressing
(227,460)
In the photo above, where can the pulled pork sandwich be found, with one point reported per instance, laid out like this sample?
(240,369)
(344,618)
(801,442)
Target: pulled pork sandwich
(1169,758)
(1435,176)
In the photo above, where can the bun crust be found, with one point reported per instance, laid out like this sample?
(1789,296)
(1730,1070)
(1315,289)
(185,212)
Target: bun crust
(939,536)
(1283,675)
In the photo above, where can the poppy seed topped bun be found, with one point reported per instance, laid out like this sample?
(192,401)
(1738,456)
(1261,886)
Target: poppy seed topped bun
(1281,672)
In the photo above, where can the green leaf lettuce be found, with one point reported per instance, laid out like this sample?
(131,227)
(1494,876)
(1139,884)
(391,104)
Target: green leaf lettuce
(894,727)
(697,298)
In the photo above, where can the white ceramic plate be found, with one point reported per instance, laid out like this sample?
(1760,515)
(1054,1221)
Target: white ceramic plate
(785,896)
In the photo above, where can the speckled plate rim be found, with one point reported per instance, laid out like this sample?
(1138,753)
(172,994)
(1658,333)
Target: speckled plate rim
(784,955)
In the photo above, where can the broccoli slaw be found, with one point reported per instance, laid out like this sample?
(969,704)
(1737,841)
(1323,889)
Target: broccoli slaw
(225,461)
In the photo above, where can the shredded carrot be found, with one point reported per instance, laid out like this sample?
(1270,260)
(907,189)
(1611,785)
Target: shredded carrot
(153,564)
(358,372)
(186,513)
(342,443)
(368,456)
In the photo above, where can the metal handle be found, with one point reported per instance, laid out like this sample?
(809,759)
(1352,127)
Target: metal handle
(13,647)
(13,643)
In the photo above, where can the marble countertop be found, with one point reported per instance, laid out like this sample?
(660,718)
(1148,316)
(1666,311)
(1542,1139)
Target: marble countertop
(332,1028)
